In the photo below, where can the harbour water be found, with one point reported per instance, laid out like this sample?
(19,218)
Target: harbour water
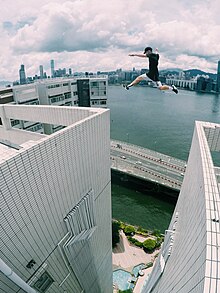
(161,121)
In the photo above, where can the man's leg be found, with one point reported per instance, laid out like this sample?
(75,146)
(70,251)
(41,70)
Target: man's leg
(167,87)
(134,82)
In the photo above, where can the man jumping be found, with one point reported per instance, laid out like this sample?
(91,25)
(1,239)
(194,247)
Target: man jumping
(153,73)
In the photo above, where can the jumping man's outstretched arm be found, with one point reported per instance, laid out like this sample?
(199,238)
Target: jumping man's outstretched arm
(137,55)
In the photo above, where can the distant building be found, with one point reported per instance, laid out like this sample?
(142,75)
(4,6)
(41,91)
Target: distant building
(181,75)
(205,84)
(143,70)
(6,95)
(218,77)
(41,71)
(60,72)
(22,75)
(52,67)
(90,91)
(182,83)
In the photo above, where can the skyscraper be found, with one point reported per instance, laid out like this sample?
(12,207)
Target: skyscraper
(41,71)
(52,67)
(189,258)
(55,202)
(22,75)
(218,77)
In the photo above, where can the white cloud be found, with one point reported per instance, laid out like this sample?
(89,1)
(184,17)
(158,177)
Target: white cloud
(98,35)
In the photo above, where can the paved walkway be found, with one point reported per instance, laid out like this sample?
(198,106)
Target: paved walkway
(141,280)
(126,256)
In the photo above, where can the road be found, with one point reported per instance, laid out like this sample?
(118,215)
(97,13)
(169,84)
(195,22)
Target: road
(147,164)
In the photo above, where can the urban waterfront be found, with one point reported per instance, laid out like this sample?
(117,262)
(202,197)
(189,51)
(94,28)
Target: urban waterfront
(161,121)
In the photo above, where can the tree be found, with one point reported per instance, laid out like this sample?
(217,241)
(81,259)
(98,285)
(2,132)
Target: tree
(156,233)
(149,245)
(115,233)
(129,230)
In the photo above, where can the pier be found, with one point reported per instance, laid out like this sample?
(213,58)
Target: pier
(147,165)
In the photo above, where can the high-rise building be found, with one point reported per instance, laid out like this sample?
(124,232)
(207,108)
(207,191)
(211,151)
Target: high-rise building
(52,67)
(218,77)
(59,92)
(55,202)
(22,75)
(189,260)
(41,71)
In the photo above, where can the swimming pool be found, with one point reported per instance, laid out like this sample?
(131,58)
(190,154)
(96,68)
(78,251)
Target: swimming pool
(137,268)
(121,279)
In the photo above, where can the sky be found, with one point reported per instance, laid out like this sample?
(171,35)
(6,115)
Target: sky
(92,35)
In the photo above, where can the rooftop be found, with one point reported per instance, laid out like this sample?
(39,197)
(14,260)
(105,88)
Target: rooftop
(13,141)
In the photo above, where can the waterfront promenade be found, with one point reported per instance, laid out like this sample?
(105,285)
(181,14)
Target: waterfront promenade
(147,164)
(126,256)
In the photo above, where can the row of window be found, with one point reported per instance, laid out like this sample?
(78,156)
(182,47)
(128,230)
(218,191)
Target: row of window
(98,102)
(99,93)
(93,83)
(52,86)
(14,122)
(57,98)
(98,83)
(67,95)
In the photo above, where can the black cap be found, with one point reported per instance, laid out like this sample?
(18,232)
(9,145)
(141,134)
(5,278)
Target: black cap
(147,48)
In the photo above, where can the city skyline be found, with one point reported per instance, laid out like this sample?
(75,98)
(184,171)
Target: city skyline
(100,36)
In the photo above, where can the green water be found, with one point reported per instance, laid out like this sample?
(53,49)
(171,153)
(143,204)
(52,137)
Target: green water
(140,209)
(160,121)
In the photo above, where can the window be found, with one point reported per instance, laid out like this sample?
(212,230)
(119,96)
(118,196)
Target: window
(14,122)
(67,95)
(57,98)
(35,128)
(53,86)
(43,283)
(68,104)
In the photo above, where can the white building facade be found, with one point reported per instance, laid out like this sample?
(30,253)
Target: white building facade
(87,91)
(65,91)
(190,257)
(55,201)
(182,83)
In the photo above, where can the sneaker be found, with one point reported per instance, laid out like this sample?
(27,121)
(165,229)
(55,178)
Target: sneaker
(175,90)
(125,87)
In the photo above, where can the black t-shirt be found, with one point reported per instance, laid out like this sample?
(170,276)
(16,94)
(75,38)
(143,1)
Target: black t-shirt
(153,72)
